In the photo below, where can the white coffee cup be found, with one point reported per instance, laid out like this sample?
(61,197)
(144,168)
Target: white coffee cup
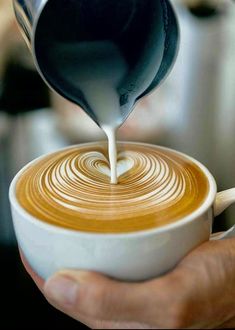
(128,256)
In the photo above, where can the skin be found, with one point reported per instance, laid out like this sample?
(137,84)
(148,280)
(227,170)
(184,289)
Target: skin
(198,294)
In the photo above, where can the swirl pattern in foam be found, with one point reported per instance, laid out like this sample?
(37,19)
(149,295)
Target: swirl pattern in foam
(71,188)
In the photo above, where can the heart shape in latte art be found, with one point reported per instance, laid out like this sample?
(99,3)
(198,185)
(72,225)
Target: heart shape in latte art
(124,164)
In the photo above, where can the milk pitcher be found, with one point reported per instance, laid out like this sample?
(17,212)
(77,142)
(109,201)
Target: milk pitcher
(129,44)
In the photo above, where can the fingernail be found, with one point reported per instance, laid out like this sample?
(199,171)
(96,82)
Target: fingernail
(62,290)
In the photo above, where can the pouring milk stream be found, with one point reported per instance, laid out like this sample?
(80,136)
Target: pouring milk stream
(99,71)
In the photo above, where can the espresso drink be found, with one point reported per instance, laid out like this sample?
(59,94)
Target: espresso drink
(71,188)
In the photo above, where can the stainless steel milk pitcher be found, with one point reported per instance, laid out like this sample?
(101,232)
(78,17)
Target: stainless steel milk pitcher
(67,36)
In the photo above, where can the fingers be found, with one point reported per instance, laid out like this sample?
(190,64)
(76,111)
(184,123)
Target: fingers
(95,297)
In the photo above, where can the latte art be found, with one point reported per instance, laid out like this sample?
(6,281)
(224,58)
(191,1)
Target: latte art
(72,189)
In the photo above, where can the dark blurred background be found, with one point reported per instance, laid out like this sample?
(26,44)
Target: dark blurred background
(193,111)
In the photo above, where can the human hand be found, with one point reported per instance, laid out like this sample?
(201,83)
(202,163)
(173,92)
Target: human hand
(198,293)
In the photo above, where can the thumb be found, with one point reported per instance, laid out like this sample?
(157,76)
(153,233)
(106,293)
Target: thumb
(93,296)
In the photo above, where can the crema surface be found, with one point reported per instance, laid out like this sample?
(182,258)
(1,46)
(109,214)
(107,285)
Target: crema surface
(71,188)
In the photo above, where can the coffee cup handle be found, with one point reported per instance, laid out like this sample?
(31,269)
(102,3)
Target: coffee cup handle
(223,200)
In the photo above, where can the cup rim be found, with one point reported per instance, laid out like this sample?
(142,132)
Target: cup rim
(208,202)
